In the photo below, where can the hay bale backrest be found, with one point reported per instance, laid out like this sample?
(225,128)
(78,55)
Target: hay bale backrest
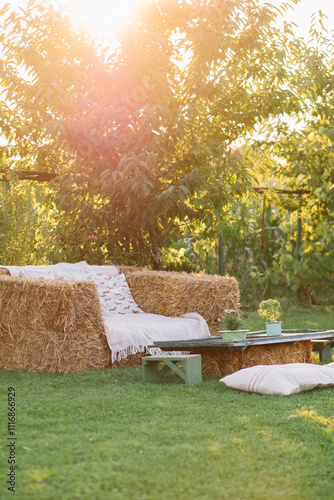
(172,293)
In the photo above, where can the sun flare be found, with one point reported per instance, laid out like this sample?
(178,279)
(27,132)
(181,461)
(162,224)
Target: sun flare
(102,16)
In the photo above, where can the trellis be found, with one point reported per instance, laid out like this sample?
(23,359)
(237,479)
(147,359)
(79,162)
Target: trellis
(26,175)
(33,175)
(263,190)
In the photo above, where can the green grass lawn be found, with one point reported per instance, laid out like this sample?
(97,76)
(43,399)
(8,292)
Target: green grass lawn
(107,435)
(296,317)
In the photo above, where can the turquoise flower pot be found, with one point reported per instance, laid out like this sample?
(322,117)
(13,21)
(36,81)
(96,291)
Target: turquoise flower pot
(234,334)
(274,329)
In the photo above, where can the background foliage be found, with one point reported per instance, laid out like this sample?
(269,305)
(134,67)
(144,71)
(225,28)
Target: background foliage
(142,133)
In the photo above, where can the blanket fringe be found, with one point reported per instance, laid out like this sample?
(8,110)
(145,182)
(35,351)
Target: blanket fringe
(124,353)
(133,349)
(156,351)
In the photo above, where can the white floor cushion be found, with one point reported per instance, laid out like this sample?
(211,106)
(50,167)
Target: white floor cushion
(281,379)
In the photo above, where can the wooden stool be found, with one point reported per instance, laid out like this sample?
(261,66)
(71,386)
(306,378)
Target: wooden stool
(324,347)
(192,373)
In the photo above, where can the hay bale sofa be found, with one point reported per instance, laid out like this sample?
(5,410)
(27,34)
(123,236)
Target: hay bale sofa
(57,325)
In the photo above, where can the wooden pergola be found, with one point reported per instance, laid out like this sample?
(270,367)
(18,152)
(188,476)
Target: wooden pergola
(32,175)
(26,175)
(264,190)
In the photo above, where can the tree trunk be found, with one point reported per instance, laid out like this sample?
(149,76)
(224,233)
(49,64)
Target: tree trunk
(155,249)
(156,257)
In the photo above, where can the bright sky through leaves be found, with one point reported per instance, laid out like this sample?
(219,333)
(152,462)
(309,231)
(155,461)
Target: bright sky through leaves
(106,16)
(302,13)
(102,16)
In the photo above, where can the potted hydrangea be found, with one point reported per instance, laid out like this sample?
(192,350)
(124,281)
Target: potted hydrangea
(233,325)
(270,310)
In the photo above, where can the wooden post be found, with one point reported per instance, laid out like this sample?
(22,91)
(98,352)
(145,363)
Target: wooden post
(262,222)
(299,233)
(221,253)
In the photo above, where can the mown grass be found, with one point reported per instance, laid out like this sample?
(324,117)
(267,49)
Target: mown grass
(107,435)
(296,317)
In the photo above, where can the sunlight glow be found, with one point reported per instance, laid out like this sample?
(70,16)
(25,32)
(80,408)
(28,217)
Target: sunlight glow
(102,16)
(312,416)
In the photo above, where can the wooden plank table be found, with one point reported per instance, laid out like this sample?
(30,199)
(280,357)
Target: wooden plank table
(255,341)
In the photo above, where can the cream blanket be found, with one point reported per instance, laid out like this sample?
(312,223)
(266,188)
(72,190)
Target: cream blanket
(131,333)
(126,333)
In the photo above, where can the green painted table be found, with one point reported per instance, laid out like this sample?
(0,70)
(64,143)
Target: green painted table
(322,340)
(253,338)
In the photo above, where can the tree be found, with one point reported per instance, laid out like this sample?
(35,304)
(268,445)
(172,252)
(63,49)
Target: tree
(141,131)
(304,150)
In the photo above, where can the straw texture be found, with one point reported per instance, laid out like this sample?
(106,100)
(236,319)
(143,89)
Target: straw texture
(172,294)
(57,326)
(227,362)
(51,325)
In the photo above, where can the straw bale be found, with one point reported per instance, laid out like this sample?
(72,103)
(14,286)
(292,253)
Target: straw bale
(51,325)
(226,362)
(131,360)
(57,326)
(4,271)
(171,293)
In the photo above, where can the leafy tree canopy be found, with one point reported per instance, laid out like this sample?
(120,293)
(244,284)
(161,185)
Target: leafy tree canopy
(305,151)
(141,130)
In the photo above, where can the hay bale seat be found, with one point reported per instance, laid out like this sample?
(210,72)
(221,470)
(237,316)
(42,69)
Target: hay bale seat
(51,326)
(57,326)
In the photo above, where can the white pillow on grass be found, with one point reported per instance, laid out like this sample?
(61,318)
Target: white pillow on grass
(281,379)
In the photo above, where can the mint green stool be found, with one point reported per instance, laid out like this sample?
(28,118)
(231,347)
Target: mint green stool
(155,367)
(324,347)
